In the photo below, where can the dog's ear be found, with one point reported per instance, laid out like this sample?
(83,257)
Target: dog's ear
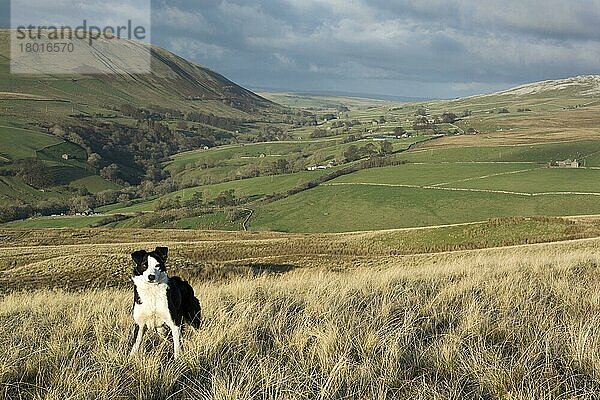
(138,256)
(163,252)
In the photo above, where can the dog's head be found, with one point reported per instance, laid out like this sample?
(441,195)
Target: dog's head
(150,266)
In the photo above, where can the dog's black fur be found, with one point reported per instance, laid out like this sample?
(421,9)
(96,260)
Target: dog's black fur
(183,305)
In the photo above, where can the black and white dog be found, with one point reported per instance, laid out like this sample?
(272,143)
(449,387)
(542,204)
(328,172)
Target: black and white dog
(159,300)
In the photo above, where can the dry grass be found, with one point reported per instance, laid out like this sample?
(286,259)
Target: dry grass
(517,323)
(71,258)
(543,127)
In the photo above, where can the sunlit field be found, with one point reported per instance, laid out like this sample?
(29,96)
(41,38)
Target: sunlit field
(508,323)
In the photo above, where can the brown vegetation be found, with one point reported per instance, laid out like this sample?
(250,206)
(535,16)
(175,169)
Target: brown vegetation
(500,323)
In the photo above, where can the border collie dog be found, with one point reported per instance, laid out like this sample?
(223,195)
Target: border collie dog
(159,300)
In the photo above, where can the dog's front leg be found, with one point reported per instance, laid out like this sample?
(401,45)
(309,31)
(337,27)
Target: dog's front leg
(176,332)
(137,335)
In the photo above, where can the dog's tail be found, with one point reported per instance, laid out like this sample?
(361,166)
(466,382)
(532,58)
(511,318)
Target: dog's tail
(191,307)
(193,314)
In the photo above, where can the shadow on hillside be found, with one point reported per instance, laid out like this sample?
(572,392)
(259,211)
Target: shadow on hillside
(256,269)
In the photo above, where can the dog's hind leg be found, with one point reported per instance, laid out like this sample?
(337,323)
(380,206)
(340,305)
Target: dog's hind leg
(138,333)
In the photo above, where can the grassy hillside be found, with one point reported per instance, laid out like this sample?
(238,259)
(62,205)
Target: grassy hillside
(174,83)
(435,186)
(342,208)
(497,323)
(127,124)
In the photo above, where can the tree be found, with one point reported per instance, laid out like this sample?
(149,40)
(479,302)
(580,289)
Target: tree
(318,133)
(34,173)
(195,201)
(168,203)
(226,198)
(83,191)
(81,204)
(449,118)
(386,148)
(399,130)
(111,173)
(107,197)
(369,150)
(122,198)
(421,122)
(421,111)
(352,153)
(280,166)
(94,162)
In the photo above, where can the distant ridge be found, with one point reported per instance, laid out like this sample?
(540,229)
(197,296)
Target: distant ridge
(335,93)
(583,86)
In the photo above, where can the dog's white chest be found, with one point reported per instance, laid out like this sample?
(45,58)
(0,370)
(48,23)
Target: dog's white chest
(154,310)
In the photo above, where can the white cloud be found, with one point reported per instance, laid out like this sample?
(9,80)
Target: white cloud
(183,20)
(196,49)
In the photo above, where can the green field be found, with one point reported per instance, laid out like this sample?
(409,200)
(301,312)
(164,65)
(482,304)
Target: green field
(359,207)
(252,187)
(16,143)
(540,181)
(56,222)
(429,174)
(253,150)
(14,189)
(226,162)
(94,183)
(77,156)
(211,221)
(449,186)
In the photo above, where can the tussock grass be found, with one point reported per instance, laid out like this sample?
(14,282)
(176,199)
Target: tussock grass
(514,323)
(71,258)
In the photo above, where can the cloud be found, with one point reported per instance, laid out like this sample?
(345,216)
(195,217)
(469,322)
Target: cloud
(422,48)
(175,18)
(196,49)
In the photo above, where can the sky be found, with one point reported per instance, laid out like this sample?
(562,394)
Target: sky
(413,48)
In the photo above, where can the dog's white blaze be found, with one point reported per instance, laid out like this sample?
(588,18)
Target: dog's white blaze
(154,310)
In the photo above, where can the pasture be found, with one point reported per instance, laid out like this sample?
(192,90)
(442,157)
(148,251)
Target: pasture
(444,186)
(347,207)
(435,186)
(18,142)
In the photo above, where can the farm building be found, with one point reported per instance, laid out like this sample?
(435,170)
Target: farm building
(568,163)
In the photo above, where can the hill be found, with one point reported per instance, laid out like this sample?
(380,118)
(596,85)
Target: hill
(95,133)
(174,83)
(583,86)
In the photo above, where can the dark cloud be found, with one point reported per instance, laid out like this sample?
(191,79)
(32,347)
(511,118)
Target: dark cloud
(432,48)
(422,48)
